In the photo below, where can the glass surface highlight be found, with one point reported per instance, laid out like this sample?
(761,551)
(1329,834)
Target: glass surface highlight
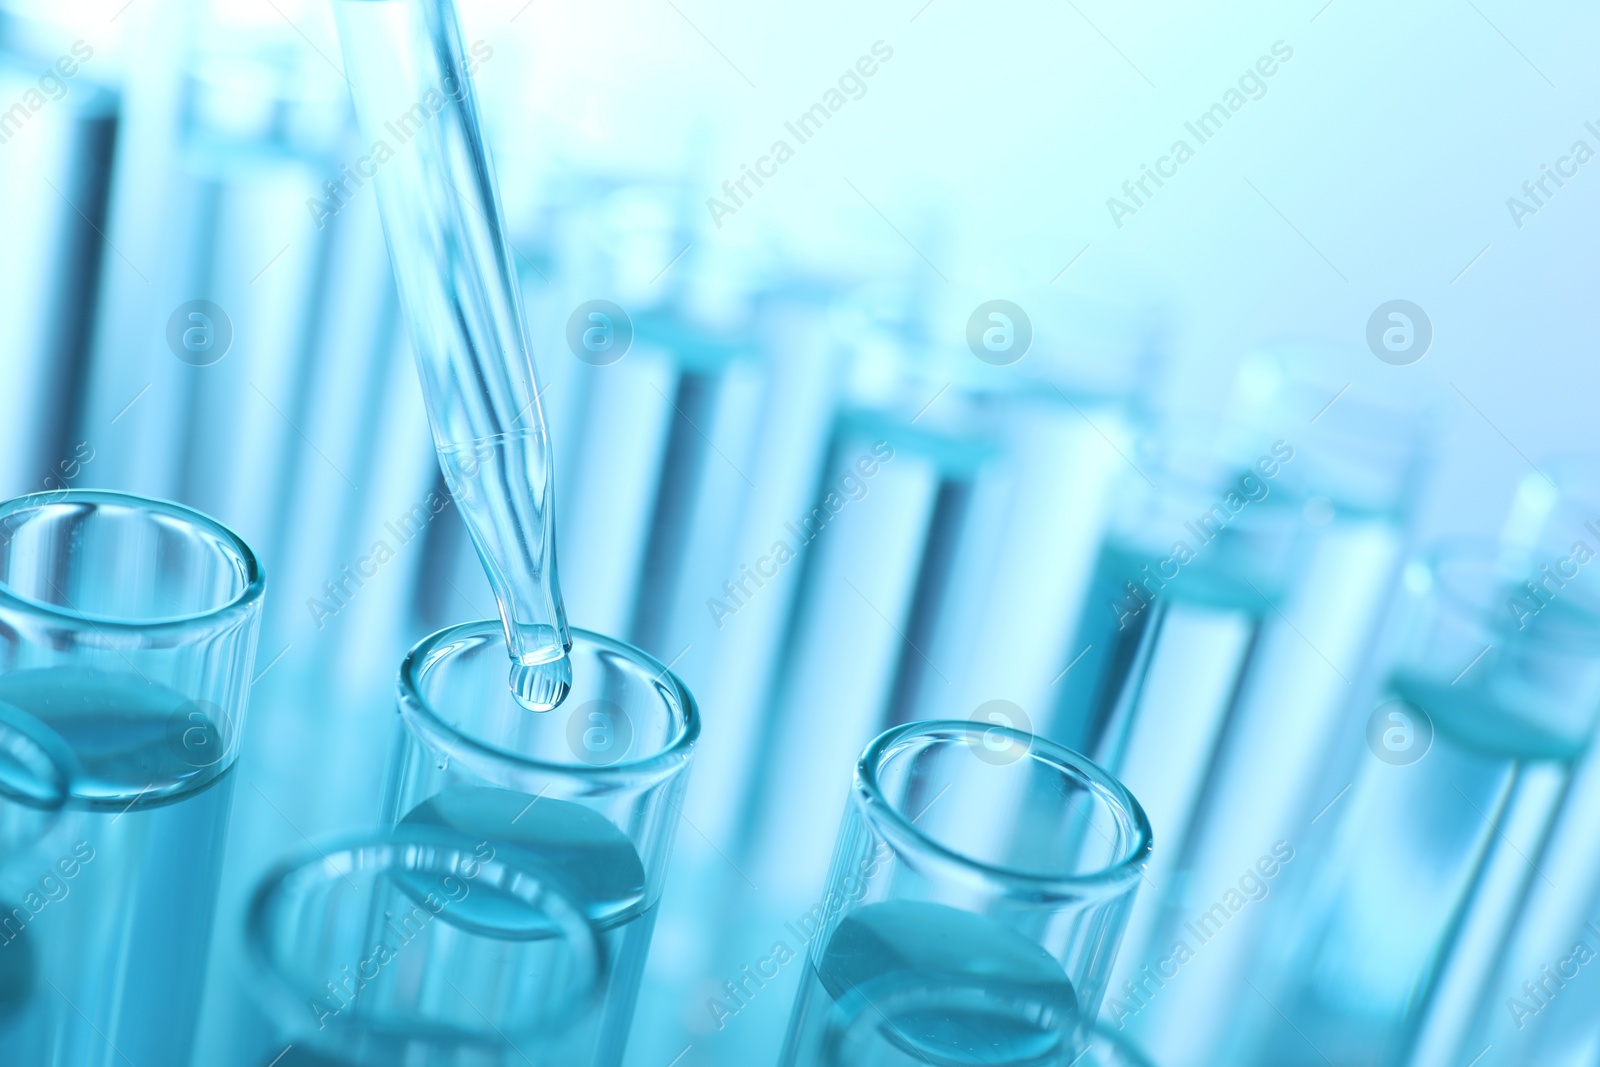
(955,931)
(128,630)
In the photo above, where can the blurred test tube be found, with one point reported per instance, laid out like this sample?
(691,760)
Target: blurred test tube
(1232,608)
(1414,882)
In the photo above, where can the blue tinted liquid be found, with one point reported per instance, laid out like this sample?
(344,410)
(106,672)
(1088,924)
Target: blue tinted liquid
(104,928)
(604,876)
(1411,847)
(1122,633)
(909,984)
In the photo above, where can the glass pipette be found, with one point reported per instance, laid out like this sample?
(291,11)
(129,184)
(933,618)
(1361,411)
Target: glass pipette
(409,76)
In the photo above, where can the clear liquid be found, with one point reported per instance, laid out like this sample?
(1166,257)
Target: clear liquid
(603,874)
(1116,628)
(909,984)
(93,962)
(1408,854)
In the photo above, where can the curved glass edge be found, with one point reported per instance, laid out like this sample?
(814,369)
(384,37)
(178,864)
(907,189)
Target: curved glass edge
(885,817)
(283,999)
(246,600)
(420,715)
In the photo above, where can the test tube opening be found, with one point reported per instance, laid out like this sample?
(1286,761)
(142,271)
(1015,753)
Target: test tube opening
(625,722)
(955,788)
(122,560)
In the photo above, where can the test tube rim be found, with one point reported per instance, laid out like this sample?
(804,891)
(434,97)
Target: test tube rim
(1481,550)
(435,731)
(242,603)
(887,819)
(283,990)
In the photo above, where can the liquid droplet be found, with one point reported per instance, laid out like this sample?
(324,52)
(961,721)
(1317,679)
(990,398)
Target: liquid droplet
(541,686)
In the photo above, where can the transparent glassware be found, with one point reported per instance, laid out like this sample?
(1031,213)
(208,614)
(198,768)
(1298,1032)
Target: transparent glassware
(411,81)
(372,951)
(1422,862)
(36,773)
(592,788)
(978,895)
(1516,994)
(1243,574)
(128,629)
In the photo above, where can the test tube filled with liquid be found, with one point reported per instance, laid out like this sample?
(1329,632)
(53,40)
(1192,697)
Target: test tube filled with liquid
(950,933)
(579,753)
(127,638)
(373,950)
(1465,759)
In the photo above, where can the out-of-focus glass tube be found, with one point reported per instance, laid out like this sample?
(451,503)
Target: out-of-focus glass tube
(128,628)
(375,951)
(954,932)
(1177,625)
(1242,577)
(36,772)
(592,790)
(1489,699)
(410,77)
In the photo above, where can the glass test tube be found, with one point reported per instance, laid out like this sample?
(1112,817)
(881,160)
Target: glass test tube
(950,931)
(36,772)
(397,947)
(593,788)
(128,628)
(1441,832)
(1233,600)
(1176,625)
